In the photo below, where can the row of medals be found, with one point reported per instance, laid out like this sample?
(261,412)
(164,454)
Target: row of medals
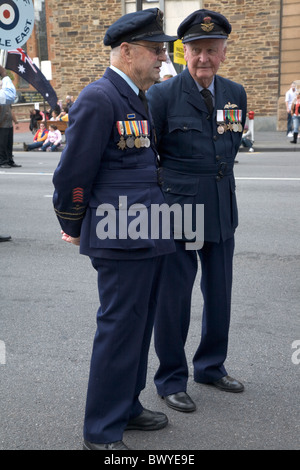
(131,141)
(231,126)
(137,138)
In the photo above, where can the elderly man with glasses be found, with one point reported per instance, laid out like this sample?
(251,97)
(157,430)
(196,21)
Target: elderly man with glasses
(116,163)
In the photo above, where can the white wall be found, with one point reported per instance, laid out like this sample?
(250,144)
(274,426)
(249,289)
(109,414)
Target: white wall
(174,11)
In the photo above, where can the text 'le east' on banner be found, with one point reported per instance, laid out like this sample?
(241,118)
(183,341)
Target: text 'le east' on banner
(19,62)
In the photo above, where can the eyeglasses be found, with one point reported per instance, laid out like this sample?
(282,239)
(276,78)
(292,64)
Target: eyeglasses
(156,50)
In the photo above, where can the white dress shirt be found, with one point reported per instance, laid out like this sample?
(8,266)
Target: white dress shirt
(8,91)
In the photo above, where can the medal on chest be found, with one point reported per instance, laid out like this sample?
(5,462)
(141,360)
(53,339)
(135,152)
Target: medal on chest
(133,134)
(229,119)
(122,143)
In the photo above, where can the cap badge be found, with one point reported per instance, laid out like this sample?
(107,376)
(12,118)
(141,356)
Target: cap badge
(207,26)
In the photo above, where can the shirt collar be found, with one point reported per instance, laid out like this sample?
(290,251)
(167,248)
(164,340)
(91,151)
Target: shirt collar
(211,87)
(126,78)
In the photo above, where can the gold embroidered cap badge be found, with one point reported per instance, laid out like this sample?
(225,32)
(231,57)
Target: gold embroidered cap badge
(207,26)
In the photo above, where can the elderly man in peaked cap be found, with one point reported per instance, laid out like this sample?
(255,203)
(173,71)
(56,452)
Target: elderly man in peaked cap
(115,165)
(199,118)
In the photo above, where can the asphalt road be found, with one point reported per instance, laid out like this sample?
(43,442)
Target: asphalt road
(48,301)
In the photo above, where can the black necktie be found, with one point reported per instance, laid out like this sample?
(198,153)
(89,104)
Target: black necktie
(143,99)
(208,100)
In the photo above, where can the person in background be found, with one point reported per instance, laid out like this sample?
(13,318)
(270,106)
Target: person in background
(295,113)
(199,118)
(35,117)
(289,98)
(6,137)
(14,120)
(69,102)
(7,97)
(53,139)
(247,139)
(57,109)
(63,116)
(167,77)
(38,140)
(7,90)
(54,115)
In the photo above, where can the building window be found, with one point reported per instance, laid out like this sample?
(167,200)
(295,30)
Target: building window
(41,29)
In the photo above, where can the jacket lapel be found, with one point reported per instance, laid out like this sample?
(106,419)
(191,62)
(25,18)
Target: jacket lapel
(134,102)
(221,94)
(126,91)
(193,97)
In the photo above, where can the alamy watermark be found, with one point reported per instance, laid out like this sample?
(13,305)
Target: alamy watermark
(2,353)
(139,222)
(296,353)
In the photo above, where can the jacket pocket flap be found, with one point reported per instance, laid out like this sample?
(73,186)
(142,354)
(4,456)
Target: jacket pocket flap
(184,124)
(186,189)
(121,198)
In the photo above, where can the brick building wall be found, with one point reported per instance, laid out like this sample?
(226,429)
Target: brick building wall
(253,51)
(75,41)
(290,54)
(263,48)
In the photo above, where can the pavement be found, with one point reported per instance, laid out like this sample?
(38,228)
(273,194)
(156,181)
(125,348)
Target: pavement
(49,300)
(272,141)
(265,141)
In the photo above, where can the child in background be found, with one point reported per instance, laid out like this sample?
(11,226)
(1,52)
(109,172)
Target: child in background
(39,138)
(53,139)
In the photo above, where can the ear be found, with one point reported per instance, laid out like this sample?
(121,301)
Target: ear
(184,52)
(126,51)
(224,54)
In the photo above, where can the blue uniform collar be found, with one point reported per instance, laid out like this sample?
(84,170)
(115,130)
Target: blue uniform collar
(126,78)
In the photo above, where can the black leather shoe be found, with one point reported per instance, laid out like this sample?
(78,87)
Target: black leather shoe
(14,165)
(180,401)
(4,238)
(147,421)
(119,445)
(228,384)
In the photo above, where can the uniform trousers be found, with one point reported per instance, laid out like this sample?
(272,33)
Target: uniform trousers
(128,297)
(5,144)
(173,315)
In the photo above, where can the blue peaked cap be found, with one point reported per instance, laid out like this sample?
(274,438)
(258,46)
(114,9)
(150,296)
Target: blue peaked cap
(203,24)
(142,25)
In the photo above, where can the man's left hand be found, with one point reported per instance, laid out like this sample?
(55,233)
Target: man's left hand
(69,239)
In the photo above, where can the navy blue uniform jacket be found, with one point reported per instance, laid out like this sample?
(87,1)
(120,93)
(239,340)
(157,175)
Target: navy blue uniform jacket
(94,170)
(197,161)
